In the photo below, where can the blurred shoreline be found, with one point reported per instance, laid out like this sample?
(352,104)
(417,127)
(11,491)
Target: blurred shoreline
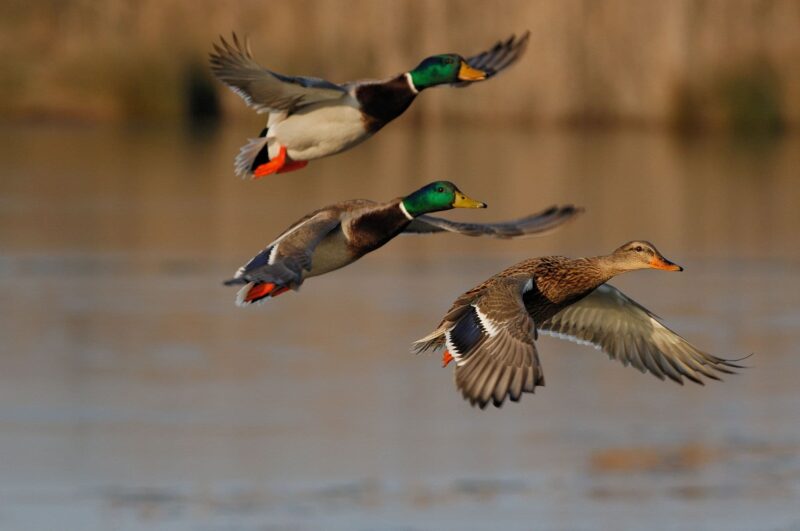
(703,65)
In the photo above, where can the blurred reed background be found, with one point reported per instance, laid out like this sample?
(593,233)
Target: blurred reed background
(686,64)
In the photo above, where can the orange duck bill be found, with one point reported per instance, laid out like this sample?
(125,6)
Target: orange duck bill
(659,262)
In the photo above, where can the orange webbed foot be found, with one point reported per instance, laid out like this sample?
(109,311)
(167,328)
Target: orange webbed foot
(259,291)
(293,165)
(273,166)
(446,358)
(279,291)
(268,289)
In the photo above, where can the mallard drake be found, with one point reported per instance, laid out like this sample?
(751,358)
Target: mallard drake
(490,330)
(337,235)
(310,118)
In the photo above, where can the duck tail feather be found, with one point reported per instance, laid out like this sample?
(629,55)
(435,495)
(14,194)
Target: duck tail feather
(251,155)
(433,341)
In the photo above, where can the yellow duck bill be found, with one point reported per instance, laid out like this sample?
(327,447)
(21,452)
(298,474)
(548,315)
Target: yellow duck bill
(463,201)
(467,73)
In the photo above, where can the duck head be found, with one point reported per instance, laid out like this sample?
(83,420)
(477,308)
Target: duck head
(641,255)
(443,69)
(436,196)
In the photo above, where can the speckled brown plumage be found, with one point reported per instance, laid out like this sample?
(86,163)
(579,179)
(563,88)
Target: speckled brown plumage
(489,327)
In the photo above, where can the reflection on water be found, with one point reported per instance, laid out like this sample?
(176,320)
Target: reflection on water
(133,393)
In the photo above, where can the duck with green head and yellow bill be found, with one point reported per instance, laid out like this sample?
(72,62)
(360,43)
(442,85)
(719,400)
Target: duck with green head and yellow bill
(337,235)
(310,118)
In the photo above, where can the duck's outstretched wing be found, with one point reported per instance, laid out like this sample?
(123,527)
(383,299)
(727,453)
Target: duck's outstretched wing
(499,57)
(491,340)
(534,224)
(608,320)
(263,89)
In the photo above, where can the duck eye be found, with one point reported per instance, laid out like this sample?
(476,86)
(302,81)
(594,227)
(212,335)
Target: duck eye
(440,189)
(638,248)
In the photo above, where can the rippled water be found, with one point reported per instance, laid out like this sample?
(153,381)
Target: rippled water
(133,394)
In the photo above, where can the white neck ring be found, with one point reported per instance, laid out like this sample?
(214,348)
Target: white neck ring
(405,212)
(411,83)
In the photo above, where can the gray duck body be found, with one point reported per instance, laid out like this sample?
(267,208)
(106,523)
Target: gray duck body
(337,235)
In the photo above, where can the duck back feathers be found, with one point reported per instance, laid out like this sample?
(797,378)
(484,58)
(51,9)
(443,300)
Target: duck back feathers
(373,227)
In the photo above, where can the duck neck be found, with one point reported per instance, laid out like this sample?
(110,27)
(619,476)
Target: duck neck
(409,214)
(607,267)
(410,80)
(377,226)
(384,101)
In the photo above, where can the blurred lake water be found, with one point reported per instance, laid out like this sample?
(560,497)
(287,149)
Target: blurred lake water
(134,394)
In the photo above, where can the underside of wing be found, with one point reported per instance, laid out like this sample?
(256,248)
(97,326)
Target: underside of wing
(263,89)
(628,332)
(534,224)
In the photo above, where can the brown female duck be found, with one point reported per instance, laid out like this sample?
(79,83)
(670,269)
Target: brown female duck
(490,330)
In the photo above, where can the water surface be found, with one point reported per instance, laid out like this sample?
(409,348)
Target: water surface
(134,394)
